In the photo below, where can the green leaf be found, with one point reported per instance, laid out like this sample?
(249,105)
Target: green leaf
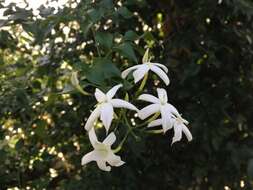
(7,40)
(95,14)
(123,11)
(148,36)
(3,22)
(108,4)
(130,36)
(127,50)
(102,70)
(39,30)
(40,130)
(85,27)
(104,39)
(20,14)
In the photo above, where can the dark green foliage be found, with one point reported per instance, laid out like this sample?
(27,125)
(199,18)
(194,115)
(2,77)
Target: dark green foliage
(206,46)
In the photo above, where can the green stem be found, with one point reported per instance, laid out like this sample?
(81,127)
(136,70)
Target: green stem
(130,129)
(118,120)
(107,55)
(82,91)
(121,143)
(96,43)
(75,82)
(143,83)
(155,116)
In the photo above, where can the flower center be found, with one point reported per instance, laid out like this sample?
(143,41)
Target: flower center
(163,99)
(104,100)
(149,64)
(103,150)
(163,102)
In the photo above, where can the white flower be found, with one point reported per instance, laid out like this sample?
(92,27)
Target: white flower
(102,152)
(142,69)
(160,104)
(105,106)
(179,127)
(169,115)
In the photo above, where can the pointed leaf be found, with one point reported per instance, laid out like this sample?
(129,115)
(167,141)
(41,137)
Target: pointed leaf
(127,50)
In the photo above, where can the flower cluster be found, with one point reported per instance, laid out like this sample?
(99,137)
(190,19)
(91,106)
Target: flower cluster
(170,118)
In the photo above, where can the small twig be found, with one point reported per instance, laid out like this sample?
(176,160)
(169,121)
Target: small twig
(143,83)
(96,43)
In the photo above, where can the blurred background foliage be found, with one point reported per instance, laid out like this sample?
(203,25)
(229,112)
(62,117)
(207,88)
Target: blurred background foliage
(207,46)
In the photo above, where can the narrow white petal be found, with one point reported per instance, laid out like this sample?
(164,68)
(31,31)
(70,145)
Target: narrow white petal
(162,95)
(100,96)
(118,103)
(120,163)
(93,137)
(155,123)
(106,115)
(92,118)
(127,71)
(110,139)
(173,110)
(102,165)
(113,91)
(161,74)
(162,66)
(140,72)
(187,133)
(177,133)
(91,156)
(185,121)
(148,98)
(148,110)
(115,160)
(166,118)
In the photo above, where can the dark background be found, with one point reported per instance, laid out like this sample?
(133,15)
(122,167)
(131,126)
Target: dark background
(207,47)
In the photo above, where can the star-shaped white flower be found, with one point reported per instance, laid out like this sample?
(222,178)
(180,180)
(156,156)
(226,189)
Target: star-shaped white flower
(161,105)
(142,69)
(102,152)
(105,106)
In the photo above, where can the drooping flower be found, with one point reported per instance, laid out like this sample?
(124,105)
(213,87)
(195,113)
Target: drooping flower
(170,118)
(104,108)
(140,70)
(102,153)
(179,126)
(161,105)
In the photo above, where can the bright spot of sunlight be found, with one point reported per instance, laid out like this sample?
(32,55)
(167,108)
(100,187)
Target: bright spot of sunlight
(34,5)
